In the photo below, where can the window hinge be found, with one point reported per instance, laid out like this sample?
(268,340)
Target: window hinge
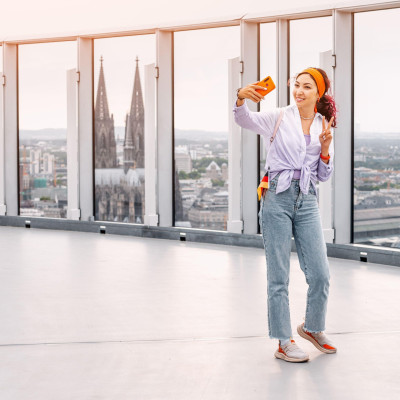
(241,67)
(3,80)
(156,72)
(78,76)
(333,60)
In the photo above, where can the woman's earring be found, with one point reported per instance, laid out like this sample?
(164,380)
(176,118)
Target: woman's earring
(315,108)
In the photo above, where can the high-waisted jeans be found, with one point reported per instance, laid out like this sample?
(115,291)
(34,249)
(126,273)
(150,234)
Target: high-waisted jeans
(281,215)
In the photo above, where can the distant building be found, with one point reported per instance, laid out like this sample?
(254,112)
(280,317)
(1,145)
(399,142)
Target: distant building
(48,163)
(26,179)
(210,211)
(183,162)
(377,200)
(213,171)
(193,154)
(179,212)
(224,171)
(35,156)
(360,157)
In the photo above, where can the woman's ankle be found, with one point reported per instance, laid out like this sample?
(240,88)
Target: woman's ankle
(282,342)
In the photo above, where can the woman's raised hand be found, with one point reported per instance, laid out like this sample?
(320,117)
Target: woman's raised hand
(325,137)
(249,92)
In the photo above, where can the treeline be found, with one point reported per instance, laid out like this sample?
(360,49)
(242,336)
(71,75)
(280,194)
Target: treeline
(379,164)
(190,175)
(368,188)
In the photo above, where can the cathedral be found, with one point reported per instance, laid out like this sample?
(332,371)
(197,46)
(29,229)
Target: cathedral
(105,146)
(119,189)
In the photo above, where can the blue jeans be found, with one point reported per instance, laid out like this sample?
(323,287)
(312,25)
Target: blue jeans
(281,215)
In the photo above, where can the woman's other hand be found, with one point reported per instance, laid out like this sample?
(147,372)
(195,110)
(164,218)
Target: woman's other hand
(325,138)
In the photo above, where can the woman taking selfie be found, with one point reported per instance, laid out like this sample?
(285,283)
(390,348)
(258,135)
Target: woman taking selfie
(300,155)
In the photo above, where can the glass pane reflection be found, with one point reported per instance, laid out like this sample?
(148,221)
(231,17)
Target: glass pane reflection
(268,65)
(304,52)
(201,125)
(376,137)
(119,126)
(42,101)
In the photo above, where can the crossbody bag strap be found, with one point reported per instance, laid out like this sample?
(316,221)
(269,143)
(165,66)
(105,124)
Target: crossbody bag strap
(264,182)
(277,126)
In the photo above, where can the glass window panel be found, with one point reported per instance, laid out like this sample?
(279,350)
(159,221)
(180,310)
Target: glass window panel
(201,125)
(42,102)
(308,39)
(376,131)
(119,126)
(306,53)
(268,63)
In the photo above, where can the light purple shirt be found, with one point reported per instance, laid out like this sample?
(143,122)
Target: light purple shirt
(297,172)
(289,151)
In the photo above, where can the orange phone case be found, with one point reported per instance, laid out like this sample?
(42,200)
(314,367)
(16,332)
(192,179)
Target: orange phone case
(266,81)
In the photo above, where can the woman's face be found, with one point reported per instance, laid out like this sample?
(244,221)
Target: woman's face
(305,91)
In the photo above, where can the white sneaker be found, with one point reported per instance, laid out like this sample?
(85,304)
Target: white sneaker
(319,340)
(291,352)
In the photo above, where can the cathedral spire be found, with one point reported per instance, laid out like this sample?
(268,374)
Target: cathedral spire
(137,108)
(105,146)
(134,132)
(102,110)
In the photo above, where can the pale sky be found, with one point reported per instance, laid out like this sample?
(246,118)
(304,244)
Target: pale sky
(119,65)
(26,17)
(200,57)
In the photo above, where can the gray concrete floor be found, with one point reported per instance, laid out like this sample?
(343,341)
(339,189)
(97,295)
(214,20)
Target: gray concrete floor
(89,316)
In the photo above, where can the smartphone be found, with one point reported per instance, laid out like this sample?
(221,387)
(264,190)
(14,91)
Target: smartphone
(266,81)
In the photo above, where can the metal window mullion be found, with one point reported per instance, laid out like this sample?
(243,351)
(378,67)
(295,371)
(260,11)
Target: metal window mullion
(283,60)
(235,222)
(73,211)
(250,38)
(326,188)
(10,63)
(150,139)
(85,128)
(165,128)
(3,207)
(343,89)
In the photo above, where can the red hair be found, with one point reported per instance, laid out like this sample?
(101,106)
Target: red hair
(326,105)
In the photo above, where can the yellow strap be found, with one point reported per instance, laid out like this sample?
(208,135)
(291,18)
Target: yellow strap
(261,186)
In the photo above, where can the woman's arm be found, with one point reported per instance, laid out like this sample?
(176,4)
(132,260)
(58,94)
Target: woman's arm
(240,102)
(324,171)
(260,122)
(325,167)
